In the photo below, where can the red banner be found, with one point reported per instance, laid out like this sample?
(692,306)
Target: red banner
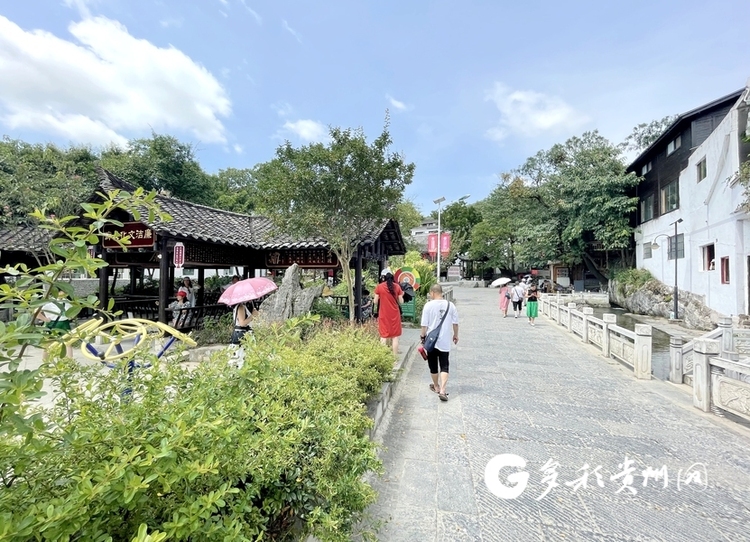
(432,244)
(179,255)
(445,244)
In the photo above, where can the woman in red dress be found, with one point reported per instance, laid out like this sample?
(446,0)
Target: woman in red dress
(388,296)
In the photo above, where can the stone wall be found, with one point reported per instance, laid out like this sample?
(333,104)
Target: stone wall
(655,299)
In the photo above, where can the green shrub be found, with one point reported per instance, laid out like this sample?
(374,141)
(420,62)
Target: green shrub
(327,310)
(215,331)
(274,450)
(629,280)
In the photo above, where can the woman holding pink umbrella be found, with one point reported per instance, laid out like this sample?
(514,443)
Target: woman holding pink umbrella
(239,296)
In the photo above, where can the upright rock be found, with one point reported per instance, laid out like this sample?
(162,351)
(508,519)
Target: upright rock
(291,299)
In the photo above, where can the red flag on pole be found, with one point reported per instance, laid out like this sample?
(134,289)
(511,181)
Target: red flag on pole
(432,244)
(445,244)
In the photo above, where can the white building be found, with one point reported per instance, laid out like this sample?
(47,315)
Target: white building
(690,177)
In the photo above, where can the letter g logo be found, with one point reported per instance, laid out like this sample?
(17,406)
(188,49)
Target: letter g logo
(519,479)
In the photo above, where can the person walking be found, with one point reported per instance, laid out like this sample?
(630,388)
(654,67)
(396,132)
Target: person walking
(504,300)
(517,294)
(439,357)
(532,305)
(387,300)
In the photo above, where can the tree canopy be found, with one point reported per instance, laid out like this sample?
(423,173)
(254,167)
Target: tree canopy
(557,206)
(338,191)
(646,133)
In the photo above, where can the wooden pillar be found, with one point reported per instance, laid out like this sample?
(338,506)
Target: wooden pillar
(165,284)
(251,273)
(202,284)
(131,270)
(103,285)
(358,285)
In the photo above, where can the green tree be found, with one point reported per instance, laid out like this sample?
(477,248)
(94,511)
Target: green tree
(236,190)
(339,191)
(582,191)
(645,134)
(161,162)
(459,219)
(43,177)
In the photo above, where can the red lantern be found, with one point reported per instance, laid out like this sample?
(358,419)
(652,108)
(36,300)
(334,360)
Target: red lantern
(432,243)
(445,244)
(179,255)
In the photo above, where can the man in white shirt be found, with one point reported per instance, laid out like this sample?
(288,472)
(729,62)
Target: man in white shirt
(517,293)
(432,314)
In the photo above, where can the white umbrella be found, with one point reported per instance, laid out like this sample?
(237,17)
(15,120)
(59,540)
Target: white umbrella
(500,282)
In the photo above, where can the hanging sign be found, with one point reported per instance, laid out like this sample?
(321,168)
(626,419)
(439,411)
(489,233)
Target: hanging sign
(432,242)
(445,244)
(178,258)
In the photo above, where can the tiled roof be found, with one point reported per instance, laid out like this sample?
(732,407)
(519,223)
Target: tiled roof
(193,221)
(24,239)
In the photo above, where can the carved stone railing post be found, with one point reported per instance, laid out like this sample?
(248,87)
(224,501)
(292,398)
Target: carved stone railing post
(571,308)
(557,305)
(642,351)
(727,340)
(587,311)
(675,359)
(703,349)
(609,319)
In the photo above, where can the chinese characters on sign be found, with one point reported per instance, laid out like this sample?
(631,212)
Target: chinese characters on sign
(432,243)
(627,478)
(139,236)
(314,257)
(179,255)
(445,244)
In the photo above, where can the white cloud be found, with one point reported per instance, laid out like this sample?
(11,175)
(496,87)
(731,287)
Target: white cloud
(225,73)
(283,109)
(166,23)
(224,13)
(238,148)
(82,6)
(401,106)
(105,85)
(252,12)
(306,130)
(529,113)
(224,2)
(291,31)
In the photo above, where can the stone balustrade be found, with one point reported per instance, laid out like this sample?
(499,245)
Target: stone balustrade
(630,347)
(720,381)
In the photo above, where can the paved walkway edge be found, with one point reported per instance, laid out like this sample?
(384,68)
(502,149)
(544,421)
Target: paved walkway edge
(377,408)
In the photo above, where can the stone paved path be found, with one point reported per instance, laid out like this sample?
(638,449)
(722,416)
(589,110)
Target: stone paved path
(538,393)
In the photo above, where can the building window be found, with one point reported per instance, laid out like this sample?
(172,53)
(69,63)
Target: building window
(647,208)
(709,255)
(725,270)
(669,197)
(645,169)
(646,251)
(676,247)
(701,170)
(674,145)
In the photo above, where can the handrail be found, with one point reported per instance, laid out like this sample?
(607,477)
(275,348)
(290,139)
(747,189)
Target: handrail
(622,331)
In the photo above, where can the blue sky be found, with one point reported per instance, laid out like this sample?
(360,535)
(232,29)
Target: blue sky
(473,87)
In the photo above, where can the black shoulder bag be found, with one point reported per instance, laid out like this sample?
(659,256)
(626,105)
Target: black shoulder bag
(432,337)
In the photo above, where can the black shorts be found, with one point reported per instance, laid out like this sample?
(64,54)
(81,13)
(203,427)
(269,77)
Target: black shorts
(437,356)
(517,305)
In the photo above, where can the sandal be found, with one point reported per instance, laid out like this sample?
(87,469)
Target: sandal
(432,388)
(443,396)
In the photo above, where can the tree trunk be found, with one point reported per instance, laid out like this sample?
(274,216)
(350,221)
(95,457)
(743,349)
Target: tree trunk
(591,266)
(344,259)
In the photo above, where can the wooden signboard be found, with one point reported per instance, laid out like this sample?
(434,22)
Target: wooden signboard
(140,236)
(312,258)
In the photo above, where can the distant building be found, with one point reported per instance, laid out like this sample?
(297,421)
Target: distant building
(691,173)
(420,234)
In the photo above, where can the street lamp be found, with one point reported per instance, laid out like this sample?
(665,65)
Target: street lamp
(655,246)
(438,202)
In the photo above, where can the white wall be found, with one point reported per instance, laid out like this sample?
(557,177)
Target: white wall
(709,210)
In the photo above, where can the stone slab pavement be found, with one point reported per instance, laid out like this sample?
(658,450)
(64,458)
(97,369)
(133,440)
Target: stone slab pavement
(540,394)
